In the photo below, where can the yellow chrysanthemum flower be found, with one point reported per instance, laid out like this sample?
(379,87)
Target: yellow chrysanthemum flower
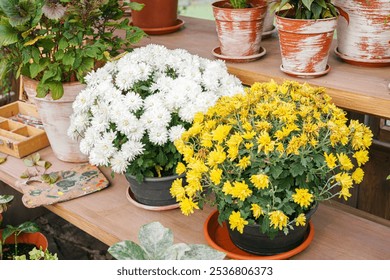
(241,190)
(257,211)
(216,157)
(361,157)
(344,179)
(227,188)
(244,162)
(187,206)
(330,160)
(345,161)
(177,189)
(278,219)
(180,168)
(237,222)
(260,181)
(345,193)
(357,175)
(215,176)
(221,132)
(300,220)
(302,197)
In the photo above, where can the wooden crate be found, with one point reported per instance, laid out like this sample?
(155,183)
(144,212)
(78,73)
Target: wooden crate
(21,131)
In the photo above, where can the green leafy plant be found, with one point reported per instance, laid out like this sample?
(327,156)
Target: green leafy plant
(38,254)
(239,4)
(26,227)
(56,41)
(306,9)
(156,243)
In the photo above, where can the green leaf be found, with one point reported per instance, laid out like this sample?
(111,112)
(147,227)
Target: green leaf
(63,44)
(296,169)
(6,198)
(275,171)
(317,10)
(8,35)
(56,90)
(307,3)
(134,6)
(69,58)
(202,252)
(36,157)
(127,250)
(155,239)
(28,227)
(50,178)
(28,162)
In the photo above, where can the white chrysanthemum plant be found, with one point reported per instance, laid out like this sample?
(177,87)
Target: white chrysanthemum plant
(133,109)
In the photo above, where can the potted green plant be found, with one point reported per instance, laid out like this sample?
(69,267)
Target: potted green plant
(134,108)
(306,31)
(12,238)
(53,44)
(156,243)
(266,157)
(239,26)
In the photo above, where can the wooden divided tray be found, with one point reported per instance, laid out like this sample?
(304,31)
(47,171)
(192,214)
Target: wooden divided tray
(21,130)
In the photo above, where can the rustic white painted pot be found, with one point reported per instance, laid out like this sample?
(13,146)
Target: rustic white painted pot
(239,30)
(305,44)
(55,116)
(268,26)
(363,32)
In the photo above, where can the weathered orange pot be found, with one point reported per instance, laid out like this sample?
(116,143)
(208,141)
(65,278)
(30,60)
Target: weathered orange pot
(55,116)
(363,32)
(239,30)
(36,238)
(305,45)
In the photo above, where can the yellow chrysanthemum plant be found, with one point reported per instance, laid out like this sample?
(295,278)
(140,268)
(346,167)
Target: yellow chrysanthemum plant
(268,155)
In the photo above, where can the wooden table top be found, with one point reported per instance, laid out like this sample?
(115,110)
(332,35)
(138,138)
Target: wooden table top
(110,217)
(354,88)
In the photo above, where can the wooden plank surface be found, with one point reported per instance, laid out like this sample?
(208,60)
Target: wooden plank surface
(354,88)
(110,217)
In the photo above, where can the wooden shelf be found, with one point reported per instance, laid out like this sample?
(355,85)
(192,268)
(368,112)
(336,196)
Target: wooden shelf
(354,88)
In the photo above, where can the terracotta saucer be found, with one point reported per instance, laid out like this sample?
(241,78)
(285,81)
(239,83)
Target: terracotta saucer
(164,30)
(130,197)
(238,59)
(306,75)
(218,237)
(268,34)
(363,62)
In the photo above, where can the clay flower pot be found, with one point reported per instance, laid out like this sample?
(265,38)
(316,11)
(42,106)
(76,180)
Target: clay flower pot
(305,45)
(363,32)
(157,16)
(239,30)
(55,115)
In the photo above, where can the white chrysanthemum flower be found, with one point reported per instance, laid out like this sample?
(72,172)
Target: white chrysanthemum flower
(145,99)
(119,162)
(158,135)
(175,132)
(131,149)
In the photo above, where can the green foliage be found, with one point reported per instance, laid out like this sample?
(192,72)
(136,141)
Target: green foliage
(38,254)
(61,46)
(156,243)
(239,4)
(307,9)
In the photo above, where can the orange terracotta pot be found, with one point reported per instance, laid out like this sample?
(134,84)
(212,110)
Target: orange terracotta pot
(155,15)
(36,238)
(305,45)
(363,32)
(239,30)
(55,116)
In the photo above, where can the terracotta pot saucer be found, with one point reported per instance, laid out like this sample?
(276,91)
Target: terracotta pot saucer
(164,30)
(372,62)
(238,59)
(268,34)
(306,75)
(130,197)
(218,237)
